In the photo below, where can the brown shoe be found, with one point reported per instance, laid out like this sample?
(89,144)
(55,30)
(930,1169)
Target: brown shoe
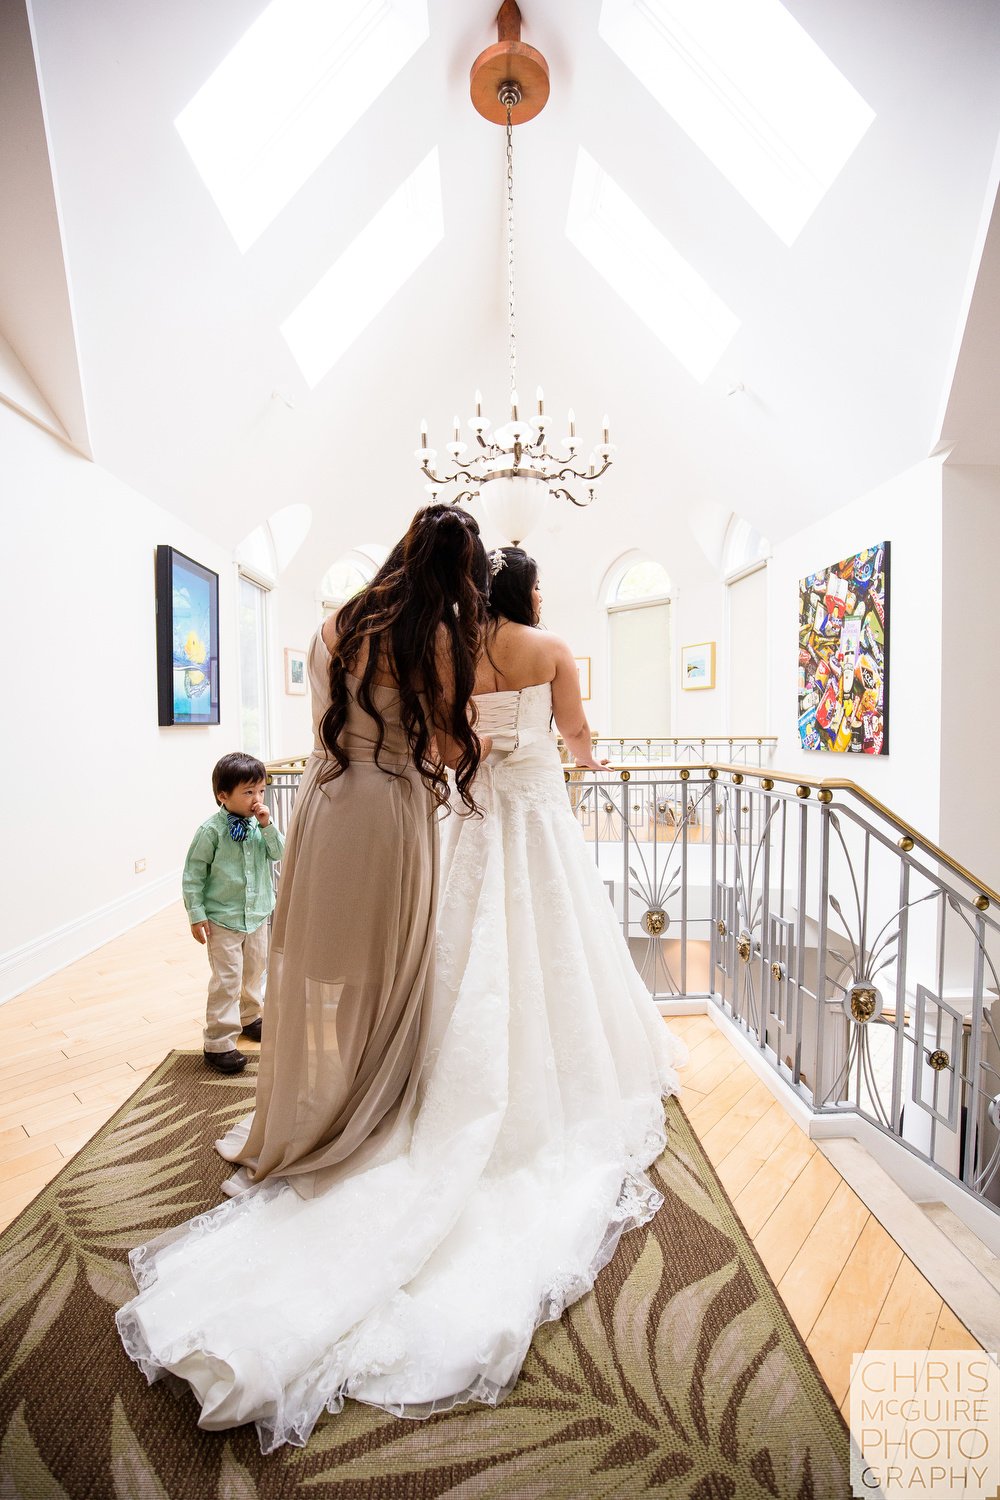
(252,1032)
(226,1062)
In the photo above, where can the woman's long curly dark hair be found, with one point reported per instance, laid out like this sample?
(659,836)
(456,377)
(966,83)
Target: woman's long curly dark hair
(437,575)
(511,586)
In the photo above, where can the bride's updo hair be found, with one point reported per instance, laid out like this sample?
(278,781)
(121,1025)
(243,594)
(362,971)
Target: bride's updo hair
(513,576)
(436,576)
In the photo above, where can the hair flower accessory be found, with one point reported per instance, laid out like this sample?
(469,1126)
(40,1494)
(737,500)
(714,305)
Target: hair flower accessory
(497,561)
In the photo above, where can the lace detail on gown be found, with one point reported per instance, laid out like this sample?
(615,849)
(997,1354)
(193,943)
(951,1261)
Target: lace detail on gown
(418,1282)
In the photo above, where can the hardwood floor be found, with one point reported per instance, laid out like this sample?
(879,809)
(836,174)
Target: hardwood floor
(76,1046)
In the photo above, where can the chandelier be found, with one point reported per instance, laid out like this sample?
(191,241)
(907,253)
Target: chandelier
(512,469)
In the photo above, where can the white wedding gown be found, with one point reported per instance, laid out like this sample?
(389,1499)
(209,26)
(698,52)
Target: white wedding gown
(418,1282)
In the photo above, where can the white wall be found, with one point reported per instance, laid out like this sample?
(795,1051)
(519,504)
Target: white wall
(698,616)
(295,615)
(91,783)
(906,511)
(970,704)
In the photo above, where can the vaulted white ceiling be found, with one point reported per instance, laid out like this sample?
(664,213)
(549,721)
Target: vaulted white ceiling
(842,371)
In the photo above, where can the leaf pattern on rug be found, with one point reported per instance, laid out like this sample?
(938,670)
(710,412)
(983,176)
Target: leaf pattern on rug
(668,1402)
(235,1482)
(22,1469)
(103,1201)
(679,1374)
(134,1476)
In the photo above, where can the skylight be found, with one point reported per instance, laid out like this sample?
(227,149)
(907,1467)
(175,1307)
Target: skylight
(752,90)
(290,89)
(646,271)
(374,266)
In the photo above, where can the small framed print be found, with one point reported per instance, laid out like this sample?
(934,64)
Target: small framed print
(295,672)
(698,666)
(583,667)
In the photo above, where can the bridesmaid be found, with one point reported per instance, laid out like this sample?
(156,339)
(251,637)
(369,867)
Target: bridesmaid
(352,947)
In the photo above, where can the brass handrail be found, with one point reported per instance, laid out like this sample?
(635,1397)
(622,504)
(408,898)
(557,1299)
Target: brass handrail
(820,784)
(807,784)
(293,766)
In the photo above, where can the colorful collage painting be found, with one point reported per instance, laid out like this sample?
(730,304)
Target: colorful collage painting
(844,655)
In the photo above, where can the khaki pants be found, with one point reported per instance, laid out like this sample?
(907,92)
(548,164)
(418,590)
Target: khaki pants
(236,989)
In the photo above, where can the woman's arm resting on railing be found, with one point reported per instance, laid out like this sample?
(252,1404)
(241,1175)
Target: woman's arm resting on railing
(567,706)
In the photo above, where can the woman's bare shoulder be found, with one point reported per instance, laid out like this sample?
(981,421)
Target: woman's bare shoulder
(330,632)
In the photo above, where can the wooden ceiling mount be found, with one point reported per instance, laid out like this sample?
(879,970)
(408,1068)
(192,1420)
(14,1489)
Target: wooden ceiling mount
(509,61)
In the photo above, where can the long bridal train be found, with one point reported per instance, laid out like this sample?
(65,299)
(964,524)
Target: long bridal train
(418,1282)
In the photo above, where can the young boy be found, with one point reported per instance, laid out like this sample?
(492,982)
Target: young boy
(229,894)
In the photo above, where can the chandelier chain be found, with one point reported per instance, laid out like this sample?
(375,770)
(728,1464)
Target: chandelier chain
(511,336)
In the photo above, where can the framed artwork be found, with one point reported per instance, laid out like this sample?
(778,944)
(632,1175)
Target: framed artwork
(187,639)
(698,667)
(295,672)
(843,702)
(583,667)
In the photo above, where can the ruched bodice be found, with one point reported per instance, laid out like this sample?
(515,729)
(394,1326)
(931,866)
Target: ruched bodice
(358,736)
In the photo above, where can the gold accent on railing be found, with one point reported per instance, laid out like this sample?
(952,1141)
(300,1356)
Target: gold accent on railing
(737,778)
(824,795)
(293,766)
(626,775)
(744,947)
(685,774)
(768,779)
(938,1060)
(864,999)
(906,844)
(721,927)
(777,971)
(841,784)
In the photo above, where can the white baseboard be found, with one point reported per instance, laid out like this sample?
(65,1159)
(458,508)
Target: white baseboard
(29,964)
(682,1006)
(751,1054)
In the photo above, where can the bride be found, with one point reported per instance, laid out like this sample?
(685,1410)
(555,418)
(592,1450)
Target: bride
(417,1280)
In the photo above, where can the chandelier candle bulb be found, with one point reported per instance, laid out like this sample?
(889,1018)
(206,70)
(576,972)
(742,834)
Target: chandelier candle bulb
(423,434)
(457,430)
(479,403)
(572,422)
(541,402)
(606,428)
(513,405)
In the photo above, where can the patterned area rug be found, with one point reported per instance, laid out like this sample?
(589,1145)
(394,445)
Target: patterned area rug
(680,1374)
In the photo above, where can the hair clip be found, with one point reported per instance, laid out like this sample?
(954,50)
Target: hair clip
(497,561)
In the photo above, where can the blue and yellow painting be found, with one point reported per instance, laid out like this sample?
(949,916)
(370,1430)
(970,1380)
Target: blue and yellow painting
(194,651)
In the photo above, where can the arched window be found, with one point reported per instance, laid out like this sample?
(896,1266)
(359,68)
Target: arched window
(270,547)
(639,654)
(349,574)
(642,580)
(261,557)
(744,546)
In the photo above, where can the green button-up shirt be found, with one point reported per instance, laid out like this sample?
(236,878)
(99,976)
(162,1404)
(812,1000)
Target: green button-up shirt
(229,882)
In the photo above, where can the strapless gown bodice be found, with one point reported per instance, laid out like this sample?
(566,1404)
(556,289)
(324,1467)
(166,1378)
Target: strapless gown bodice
(519,717)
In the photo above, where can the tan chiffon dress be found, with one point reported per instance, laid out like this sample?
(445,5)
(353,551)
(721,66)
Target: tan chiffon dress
(351,972)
